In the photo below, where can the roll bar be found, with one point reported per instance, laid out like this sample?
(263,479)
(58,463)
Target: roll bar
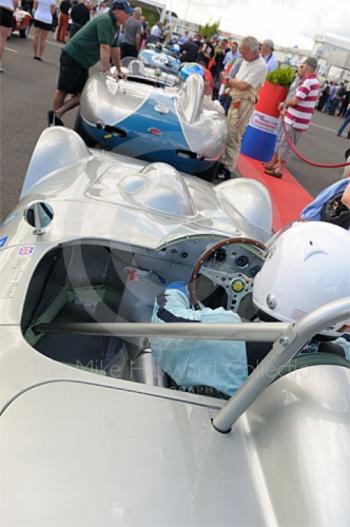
(249,331)
(288,339)
(283,350)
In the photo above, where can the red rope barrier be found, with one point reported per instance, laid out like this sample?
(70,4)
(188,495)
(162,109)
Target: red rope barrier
(308,161)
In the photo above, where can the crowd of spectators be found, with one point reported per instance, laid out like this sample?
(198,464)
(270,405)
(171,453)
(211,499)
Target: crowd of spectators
(233,72)
(72,15)
(335,100)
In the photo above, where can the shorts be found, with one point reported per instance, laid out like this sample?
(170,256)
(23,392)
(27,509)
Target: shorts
(42,25)
(6,17)
(128,50)
(72,77)
(283,149)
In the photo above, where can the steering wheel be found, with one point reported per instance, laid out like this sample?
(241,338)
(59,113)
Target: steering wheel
(236,284)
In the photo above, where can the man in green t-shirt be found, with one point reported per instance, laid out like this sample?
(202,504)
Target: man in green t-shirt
(97,40)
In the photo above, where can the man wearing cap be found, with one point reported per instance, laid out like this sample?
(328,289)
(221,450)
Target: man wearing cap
(132,35)
(268,56)
(297,113)
(97,40)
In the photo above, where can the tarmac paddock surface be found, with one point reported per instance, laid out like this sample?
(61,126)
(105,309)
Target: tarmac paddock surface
(26,90)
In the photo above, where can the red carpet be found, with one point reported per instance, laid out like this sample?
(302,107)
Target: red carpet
(287,195)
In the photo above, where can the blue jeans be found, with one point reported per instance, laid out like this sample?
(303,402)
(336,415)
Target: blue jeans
(343,126)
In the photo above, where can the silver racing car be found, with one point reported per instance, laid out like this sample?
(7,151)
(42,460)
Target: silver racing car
(135,70)
(180,126)
(93,432)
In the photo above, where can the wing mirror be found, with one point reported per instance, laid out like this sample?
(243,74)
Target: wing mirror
(39,215)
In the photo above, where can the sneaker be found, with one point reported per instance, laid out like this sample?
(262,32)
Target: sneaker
(53,119)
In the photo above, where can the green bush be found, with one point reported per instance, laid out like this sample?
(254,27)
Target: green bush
(151,14)
(208,30)
(283,75)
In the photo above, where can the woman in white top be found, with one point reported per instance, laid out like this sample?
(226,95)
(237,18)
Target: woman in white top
(6,22)
(44,10)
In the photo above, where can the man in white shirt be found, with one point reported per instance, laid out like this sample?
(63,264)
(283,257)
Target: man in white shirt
(268,56)
(232,55)
(156,32)
(243,90)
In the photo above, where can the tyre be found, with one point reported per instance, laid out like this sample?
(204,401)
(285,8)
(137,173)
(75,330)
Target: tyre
(78,127)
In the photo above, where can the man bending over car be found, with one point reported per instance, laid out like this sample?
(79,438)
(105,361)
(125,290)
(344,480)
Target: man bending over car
(97,40)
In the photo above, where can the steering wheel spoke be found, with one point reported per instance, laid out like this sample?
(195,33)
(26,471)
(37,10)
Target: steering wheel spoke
(217,276)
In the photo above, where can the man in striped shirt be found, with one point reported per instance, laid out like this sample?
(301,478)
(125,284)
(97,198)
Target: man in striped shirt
(297,114)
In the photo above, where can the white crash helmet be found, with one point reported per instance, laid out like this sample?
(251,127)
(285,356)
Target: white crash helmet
(308,266)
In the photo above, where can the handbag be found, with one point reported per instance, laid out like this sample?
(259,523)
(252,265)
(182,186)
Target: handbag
(333,211)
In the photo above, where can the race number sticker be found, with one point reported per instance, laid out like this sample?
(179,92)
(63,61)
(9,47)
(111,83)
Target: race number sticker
(160,59)
(15,274)
(3,241)
(26,250)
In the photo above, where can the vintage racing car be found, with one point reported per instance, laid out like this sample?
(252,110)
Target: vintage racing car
(159,60)
(92,433)
(179,126)
(136,71)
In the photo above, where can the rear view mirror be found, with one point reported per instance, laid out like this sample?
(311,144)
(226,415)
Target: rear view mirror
(39,215)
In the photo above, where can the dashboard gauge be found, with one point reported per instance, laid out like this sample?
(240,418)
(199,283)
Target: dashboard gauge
(242,261)
(220,255)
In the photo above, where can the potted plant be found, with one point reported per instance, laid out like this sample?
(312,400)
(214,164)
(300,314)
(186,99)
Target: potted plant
(274,90)
(260,136)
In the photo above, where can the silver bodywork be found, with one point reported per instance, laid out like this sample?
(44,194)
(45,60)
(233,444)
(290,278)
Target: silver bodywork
(82,448)
(109,101)
(159,60)
(134,69)
(165,205)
